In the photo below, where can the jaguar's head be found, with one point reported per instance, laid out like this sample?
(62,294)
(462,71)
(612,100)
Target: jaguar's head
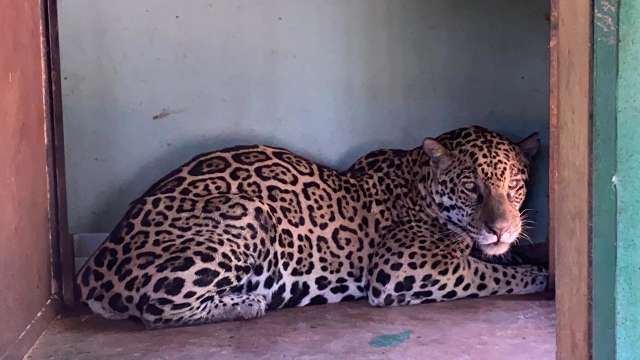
(478,183)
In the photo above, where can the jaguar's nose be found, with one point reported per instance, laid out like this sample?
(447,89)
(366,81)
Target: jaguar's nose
(497,228)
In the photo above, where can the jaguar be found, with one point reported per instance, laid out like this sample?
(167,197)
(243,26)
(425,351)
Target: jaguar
(235,233)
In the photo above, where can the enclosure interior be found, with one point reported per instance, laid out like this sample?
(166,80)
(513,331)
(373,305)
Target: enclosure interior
(149,84)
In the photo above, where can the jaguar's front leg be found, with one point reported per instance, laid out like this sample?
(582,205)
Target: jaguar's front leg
(441,280)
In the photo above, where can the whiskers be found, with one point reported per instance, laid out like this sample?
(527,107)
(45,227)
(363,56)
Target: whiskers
(526,225)
(521,236)
(524,214)
(442,234)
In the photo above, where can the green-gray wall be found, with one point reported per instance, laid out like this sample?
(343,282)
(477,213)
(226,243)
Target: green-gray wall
(603,166)
(628,184)
(328,79)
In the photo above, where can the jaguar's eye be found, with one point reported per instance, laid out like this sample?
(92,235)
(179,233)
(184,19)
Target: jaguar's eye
(513,184)
(471,187)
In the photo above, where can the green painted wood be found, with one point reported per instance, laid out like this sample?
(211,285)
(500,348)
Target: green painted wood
(603,265)
(628,184)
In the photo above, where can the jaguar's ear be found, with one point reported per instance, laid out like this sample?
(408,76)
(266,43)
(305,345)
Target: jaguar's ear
(529,146)
(439,155)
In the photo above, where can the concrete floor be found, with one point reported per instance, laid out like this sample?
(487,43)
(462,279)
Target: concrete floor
(495,328)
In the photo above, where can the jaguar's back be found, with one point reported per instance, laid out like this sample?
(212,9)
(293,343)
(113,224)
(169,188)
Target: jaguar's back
(252,219)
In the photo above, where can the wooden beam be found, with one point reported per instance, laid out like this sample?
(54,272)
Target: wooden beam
(62,246)
(572,197)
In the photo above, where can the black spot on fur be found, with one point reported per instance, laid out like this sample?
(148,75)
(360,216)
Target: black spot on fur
(383,278)
(142,302)
(340,289)
(97,275)
(298,292)
(375,292)
(131,283)
(205,277)
(91,293)
(318,300)
(258,269)
(450,295)
(224,266)
(116,303)
(223,283)
(388,300)
(154,310)
(86,276)
(322,282)
(159,285)
(399,287)
(277,298)
(107,286)
(268,282)
(180,306)
(184,265)
(210,165)
(174,286)
(101,257)
(204,257)
(423,294)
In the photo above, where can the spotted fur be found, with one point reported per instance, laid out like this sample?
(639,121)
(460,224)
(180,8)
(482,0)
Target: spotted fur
(236,232)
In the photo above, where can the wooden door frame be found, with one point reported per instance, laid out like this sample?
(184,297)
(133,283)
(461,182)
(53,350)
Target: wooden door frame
(570,174)
(584,45)
(580,194)
(569,181)
(62,259)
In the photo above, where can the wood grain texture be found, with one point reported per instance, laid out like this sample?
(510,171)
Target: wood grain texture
(62,246)
(571,199)
(25,272)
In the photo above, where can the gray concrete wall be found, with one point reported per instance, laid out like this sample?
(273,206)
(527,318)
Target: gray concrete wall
(149,83)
